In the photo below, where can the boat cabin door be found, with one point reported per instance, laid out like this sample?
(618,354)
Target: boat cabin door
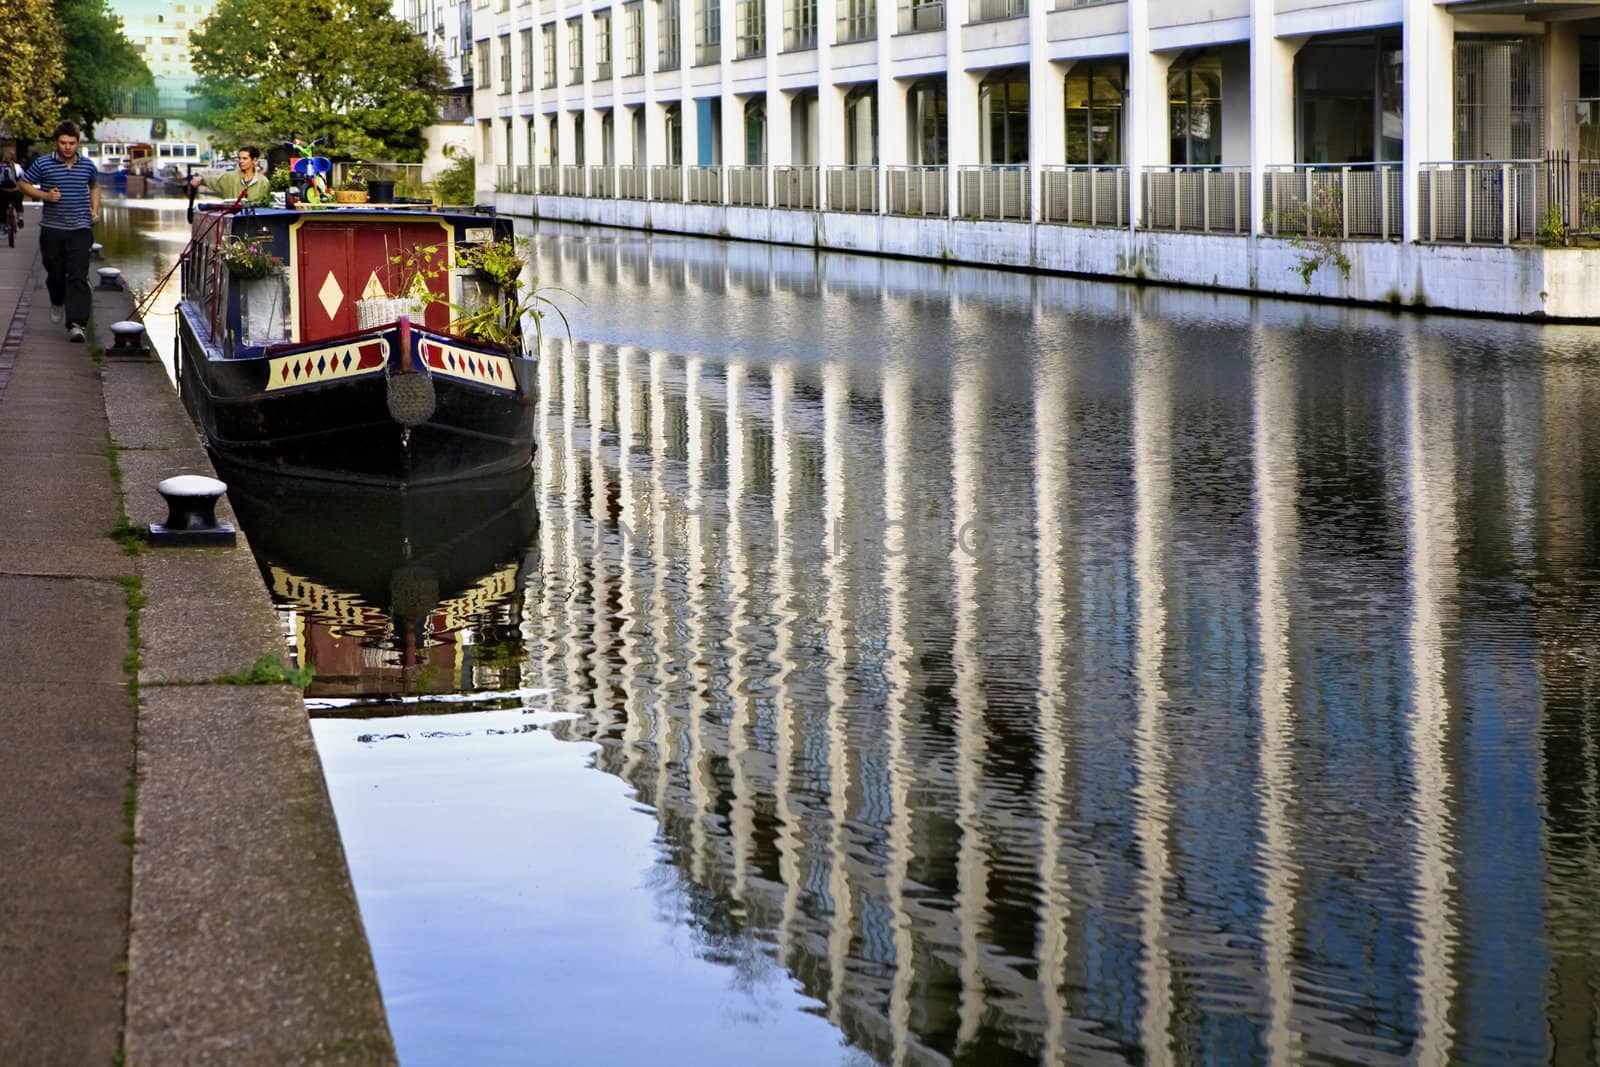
(341,262)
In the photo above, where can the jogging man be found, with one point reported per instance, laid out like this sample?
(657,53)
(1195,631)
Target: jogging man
(70,189)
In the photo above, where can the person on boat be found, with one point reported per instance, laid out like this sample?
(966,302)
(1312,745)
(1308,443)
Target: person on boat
(69,185)
(249,179)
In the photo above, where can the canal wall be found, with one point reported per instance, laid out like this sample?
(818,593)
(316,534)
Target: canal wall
(1510,281)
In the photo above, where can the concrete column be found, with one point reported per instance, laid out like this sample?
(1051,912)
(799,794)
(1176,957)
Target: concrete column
(689,109)
(778,149)
(891,104)
(830,100)
(1429,97)
(1047,103)
(961,104)
(1271,105)
(1147,143)
(732,107)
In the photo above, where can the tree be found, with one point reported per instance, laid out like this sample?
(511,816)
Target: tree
(100,61)
(29,106)
(344,70)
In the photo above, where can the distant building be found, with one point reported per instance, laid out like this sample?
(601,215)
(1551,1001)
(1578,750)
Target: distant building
(446,27)
(159,32)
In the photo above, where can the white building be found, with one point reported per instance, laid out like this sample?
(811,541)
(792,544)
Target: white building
(1114,137)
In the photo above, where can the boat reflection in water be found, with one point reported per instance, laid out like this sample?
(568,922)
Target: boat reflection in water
(391,594)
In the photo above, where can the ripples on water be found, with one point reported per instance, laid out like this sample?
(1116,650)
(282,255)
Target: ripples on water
(1037,670)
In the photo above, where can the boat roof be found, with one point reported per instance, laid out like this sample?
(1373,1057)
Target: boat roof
(464,216)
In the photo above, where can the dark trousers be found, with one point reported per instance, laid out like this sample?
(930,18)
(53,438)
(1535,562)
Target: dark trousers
(66,270)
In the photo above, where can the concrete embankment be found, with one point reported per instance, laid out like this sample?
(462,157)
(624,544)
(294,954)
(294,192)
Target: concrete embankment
(173,889)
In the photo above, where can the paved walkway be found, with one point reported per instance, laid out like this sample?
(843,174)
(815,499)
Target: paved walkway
(172,886)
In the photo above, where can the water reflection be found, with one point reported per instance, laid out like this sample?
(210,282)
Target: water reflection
(985,668)
(1124,698)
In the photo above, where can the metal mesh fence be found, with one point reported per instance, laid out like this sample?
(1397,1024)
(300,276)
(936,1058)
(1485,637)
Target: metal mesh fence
(666,182)
(1094,196)
(994,192)
(747,186)
(1489,201)
(633,182)
(918,191)
(794,187)
(852,188)
(1198,199)
(705,185)
(1362,200)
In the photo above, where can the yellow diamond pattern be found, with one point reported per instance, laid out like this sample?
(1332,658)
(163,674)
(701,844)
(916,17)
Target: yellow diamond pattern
(330,295)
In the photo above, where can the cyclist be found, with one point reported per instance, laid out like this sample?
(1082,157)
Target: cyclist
(10,193)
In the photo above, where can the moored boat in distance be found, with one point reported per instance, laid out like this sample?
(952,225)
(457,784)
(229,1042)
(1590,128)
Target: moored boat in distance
(335,349)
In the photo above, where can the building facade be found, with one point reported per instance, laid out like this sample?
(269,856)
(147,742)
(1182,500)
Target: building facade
(1382,121)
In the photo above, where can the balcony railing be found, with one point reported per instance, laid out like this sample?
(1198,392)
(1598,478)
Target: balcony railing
(993,10)
(1197,199)
(1351,200)
(572,180)
(1091,196)
(666,182)
(548,181)
(504,178)
(851,188)
(1489,200)
(921,192)
(795,187)
(919,18)
(524,181)
(747,186)
(705,185)
(996,191)
(602,182)
(633,182)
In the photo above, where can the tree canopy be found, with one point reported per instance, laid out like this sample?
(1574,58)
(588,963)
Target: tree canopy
(29,104)
(100,61)
(346,70)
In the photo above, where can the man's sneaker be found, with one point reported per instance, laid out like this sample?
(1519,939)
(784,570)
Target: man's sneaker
(75,333)
(57,313)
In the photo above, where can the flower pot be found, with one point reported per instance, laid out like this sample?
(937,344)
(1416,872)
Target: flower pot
(382,310)
(350,196)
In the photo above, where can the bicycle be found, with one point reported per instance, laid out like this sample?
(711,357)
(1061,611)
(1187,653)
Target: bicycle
(11,222)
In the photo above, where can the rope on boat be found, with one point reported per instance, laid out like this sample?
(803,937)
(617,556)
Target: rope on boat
(143,306)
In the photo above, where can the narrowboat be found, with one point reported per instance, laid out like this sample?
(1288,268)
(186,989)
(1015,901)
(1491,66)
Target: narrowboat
(338,352)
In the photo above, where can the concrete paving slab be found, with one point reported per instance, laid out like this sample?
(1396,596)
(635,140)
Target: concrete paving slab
(207,616)
(231,961)
(46,622)
(65,763)
(142,409)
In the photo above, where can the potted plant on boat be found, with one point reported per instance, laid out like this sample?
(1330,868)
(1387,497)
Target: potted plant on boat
(411,269)
(247,260)
(506,302)
(353,189)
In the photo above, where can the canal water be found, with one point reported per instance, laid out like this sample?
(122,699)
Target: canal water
(892,663)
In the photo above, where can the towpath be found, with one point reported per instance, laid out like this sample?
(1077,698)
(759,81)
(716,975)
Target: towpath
(172,886)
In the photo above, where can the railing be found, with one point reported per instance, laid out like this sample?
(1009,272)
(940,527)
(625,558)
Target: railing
(747,186)
(524,182)
(1200,199)
(666,182)
(996,191)
(993,10)
(1484,200)
(549,182)
(920,18)
(572,180)
(1586,175)
(602,182)
(633,182)
(1349,200)
(503,178)
(1093,196)
(920,192)
(794,187)
(705,185)
(851,188)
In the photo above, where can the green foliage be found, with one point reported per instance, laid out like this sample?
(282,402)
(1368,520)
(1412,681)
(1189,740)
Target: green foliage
(100,61)
(1321,244)
(458,182)
(270,670)
(1553,227)
(29,106)
(347,70)
(500,261)
(414,266)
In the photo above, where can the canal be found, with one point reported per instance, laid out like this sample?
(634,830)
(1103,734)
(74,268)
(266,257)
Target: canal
(904,664)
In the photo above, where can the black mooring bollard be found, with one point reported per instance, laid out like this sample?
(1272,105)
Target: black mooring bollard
(192,513)
(127,337)
(110,278)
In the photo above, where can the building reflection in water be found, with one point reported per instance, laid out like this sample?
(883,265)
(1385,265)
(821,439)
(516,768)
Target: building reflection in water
(1109,703)
(1038,672)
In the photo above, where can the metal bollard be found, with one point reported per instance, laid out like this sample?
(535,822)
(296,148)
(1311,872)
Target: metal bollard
(110,278)
(192,513)
(127,337)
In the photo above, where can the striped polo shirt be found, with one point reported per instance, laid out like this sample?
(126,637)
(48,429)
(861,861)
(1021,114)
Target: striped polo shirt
(71,212)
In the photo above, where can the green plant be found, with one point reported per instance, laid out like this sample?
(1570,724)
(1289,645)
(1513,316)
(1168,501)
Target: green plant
(413,268)
(247,258)
(458,182)
(502,322)
(269,670)
(1322,242)
(354,181)
(280,179)
(500,261)
(1553,227)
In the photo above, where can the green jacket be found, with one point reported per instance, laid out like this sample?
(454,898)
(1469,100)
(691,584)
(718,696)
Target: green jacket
(228,185)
